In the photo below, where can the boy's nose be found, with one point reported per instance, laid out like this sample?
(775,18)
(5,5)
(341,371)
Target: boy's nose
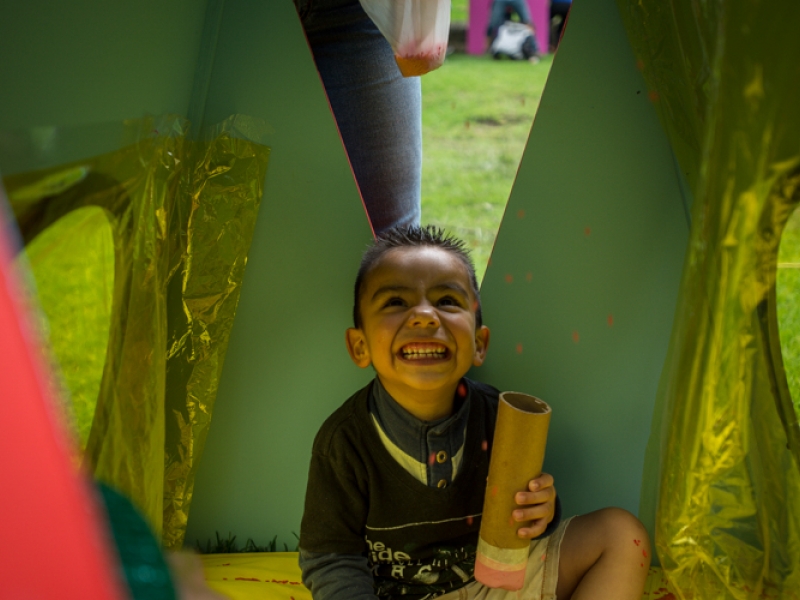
(424,316)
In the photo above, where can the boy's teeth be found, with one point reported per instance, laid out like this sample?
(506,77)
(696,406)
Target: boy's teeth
(417,353)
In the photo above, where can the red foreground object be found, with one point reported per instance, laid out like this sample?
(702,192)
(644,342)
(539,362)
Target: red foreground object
(54,541)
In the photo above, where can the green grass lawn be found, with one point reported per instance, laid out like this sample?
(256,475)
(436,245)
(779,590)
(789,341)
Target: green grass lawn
(476,117)
(459,11)
(787,292)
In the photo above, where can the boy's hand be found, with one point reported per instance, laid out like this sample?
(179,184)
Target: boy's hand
(537,505)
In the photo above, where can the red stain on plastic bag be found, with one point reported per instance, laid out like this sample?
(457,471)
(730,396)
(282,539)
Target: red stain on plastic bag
(412,66)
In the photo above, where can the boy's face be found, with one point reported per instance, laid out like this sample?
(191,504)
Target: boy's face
(418,324)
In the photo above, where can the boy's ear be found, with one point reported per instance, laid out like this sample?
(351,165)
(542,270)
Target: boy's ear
(357,347)
(481,345)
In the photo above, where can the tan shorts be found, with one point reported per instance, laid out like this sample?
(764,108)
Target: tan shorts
(541,575)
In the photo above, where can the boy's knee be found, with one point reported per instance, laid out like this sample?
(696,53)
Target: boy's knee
(625,529)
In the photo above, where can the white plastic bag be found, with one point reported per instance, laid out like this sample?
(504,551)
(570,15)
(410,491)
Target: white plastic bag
(417,30)
(515,40)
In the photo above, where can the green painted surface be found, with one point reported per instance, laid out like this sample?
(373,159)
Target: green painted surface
(287,367)
(596,218)
(71,72)
(581,291)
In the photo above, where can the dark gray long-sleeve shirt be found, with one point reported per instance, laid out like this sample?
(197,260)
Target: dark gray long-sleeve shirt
(375,525)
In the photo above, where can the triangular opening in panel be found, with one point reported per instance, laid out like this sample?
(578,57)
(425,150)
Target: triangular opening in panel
(477,112)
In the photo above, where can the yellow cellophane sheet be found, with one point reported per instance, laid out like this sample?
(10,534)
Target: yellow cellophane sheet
(181,215)
(719,76)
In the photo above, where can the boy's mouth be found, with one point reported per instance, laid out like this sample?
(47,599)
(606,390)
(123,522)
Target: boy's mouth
(421,351)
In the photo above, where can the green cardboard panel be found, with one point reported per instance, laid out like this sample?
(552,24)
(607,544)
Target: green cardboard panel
(287,367)
(582,286)
(71,72)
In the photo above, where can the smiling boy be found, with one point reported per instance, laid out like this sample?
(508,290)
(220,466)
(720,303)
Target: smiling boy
(398,472)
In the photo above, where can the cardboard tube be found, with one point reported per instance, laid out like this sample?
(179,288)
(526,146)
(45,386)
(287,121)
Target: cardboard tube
(520,436)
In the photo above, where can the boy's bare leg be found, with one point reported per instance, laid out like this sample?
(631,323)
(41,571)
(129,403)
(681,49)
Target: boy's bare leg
(605,555)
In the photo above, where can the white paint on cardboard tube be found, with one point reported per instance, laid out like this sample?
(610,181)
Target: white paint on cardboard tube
(520,437)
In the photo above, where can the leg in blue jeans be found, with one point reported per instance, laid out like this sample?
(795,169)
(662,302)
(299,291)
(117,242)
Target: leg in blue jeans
(378,111)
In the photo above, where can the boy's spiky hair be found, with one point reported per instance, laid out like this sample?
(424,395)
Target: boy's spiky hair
(413,237)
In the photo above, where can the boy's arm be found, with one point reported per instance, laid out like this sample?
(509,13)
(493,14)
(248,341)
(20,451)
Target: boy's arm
(540,505)
(553,525)
(333,548)
(337,576)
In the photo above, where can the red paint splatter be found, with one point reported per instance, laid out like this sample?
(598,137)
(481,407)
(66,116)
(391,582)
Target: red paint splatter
(521,213)
(470,521)
(587,232)
(544,557)
(519,348)
(432,458)
(641,564)
(509,278)
(246,579)
(462,390)
(653,96)
(576,337)
(637,542)
(494,491)
(610,320)
(529,276)
(484,445)
(644,553)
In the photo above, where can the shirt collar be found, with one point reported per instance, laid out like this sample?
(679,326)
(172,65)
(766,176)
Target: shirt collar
(413,436)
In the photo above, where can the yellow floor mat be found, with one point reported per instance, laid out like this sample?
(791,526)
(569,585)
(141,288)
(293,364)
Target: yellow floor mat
(656,587)
(256,575)
(276,576)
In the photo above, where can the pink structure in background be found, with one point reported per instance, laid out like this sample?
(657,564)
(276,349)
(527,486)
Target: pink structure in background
(479,11)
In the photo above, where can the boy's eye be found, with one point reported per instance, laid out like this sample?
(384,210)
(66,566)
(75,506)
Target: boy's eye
(448,301)
(395,301)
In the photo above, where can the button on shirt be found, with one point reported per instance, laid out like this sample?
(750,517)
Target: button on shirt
(430,450)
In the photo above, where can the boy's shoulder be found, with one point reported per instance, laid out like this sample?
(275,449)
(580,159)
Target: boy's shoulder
(350,423)
(346,420)
(489,392)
